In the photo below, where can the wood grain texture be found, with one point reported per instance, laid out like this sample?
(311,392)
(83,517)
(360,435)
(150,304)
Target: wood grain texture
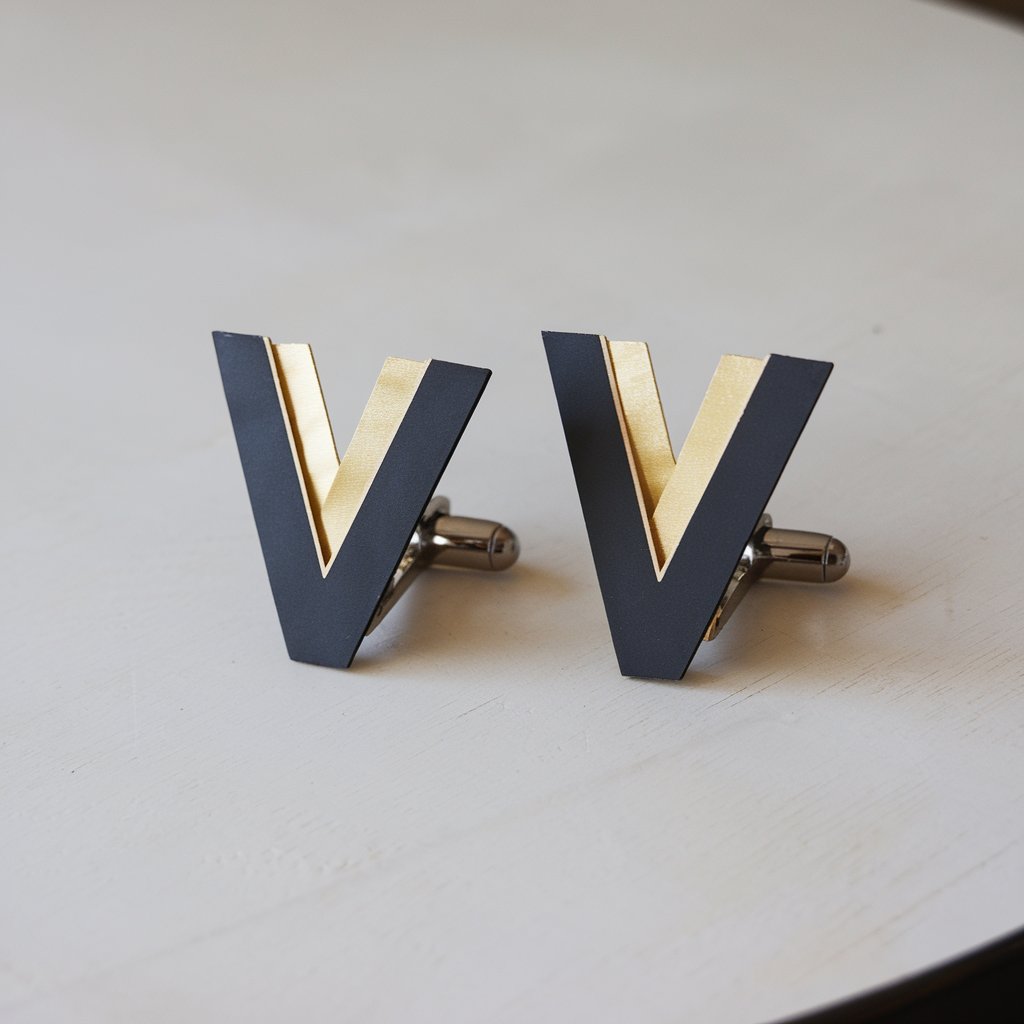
(483,820)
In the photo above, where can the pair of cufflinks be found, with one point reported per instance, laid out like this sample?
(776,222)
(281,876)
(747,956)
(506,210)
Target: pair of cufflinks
(676,542)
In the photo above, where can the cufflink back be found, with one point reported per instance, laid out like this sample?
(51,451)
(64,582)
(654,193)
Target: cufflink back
(343,538)
(441,539)
(797,555)
(677,543)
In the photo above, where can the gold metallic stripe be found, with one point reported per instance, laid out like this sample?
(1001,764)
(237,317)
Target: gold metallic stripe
(669,490)
(316,456)
(388,403)
(334,488)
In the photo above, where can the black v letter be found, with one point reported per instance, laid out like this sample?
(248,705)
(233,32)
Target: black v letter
(331,551)
(660,592)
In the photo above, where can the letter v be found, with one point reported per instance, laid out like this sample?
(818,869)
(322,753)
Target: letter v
(666,536)
(334,530)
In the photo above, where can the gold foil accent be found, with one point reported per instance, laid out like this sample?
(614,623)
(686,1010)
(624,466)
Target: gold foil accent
(334,488)
(669,490)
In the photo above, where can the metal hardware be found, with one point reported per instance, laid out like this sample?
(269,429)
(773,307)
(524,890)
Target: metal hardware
(447,540)
(781,555)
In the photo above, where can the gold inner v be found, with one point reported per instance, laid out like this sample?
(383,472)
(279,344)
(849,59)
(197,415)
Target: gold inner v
(670,489)
(334,488)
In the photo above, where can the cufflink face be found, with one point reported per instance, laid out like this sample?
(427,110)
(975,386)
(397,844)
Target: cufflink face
(669,535)
(341,536)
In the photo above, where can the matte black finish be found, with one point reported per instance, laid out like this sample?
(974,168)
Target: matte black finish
(324,619)
(657,627)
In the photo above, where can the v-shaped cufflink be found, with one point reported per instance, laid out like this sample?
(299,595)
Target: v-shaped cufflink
(678,542)
(343,538)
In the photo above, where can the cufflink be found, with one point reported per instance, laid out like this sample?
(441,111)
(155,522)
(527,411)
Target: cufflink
(343,538)
(677,543)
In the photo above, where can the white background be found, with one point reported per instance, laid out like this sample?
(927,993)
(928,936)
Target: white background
(483,821)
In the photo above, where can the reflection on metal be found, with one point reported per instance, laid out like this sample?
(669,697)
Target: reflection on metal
(781,555)
(447,540)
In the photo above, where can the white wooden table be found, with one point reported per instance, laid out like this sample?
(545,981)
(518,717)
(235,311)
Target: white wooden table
(483,821)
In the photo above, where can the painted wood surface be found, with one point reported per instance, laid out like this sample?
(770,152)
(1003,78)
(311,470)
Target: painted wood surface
(482,820)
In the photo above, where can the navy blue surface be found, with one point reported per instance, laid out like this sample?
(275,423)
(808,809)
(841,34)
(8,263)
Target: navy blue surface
(657,626)
(324,619)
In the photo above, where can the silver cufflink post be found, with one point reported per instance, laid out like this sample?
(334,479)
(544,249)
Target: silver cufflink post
(446,540)
(781,555)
